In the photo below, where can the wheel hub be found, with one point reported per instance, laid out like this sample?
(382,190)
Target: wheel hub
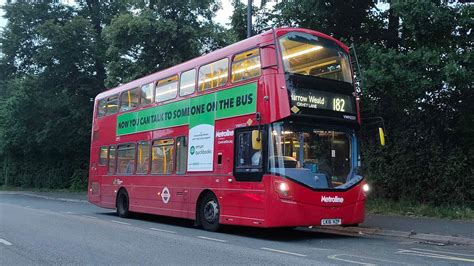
(211,211)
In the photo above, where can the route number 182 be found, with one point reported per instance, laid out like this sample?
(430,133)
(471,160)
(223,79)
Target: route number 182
(338,104)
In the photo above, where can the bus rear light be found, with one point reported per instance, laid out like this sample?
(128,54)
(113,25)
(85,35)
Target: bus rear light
(283,189)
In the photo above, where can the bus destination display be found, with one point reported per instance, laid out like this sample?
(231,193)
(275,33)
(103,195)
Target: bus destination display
(313,99)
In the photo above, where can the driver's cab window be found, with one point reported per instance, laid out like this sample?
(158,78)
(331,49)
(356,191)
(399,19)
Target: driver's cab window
(248,151)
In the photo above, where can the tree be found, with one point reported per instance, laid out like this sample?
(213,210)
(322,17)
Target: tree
(159,36)
(352,21)
(51,69)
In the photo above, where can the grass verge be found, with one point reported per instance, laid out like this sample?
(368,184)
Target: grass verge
(409,208)
(9,188)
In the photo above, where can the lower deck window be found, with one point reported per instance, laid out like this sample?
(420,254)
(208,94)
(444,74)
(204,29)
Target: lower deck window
(126,159)
(111,166)
(104,150)
(143,157)
(162,161)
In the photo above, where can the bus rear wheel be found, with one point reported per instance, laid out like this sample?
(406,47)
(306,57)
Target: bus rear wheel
(122,204)
(209,212)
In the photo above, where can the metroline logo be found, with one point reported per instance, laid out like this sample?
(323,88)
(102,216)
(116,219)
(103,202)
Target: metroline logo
(224,133)
(335,199)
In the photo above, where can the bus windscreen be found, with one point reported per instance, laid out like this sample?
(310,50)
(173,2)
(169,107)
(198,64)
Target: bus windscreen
(310,55)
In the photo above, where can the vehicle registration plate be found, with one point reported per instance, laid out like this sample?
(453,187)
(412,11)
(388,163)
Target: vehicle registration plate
(331,222)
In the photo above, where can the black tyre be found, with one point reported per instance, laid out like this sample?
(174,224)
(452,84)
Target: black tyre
(209,212)
(122,204)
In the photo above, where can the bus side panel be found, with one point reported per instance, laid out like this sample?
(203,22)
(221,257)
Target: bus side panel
(161,195)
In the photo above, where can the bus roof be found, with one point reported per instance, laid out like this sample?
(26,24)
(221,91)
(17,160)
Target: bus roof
(230,50)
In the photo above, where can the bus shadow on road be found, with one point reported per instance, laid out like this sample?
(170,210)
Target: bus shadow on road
(282,234)
(273,234)
(180,222)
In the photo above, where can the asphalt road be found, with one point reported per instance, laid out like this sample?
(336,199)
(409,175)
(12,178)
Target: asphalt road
(41,231)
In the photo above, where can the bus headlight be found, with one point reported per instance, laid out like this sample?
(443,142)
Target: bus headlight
(366,188)
(283,189)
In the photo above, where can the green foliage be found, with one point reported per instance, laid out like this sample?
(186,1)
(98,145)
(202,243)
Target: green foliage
(157,37)
(54,60)
(238,20)
(424,92)
(346,20)
(410,208)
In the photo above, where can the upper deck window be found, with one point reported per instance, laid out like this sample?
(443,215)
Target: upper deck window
(129,99)
(310,55)
(112,104)
(213,75)
(146,94)
(246,65)
(166,89)
(102,106)
(188,82)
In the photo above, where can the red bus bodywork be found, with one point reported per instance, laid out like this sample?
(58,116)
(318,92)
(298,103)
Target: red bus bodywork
(241,203)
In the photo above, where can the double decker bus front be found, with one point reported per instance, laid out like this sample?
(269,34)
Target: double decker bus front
(313,154)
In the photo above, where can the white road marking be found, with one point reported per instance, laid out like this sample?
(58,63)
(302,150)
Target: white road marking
(163,230)
(118,222)
(432,255)
(335,257)
(446,252)
(284,252)
(87,216)
(68,212)
(362,258)
(212,239)
(324,249)
(3,241)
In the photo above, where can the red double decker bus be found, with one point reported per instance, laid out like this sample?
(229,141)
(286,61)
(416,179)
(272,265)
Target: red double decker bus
(260,133)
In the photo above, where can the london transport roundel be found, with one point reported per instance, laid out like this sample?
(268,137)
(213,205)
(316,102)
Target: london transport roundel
(165,195)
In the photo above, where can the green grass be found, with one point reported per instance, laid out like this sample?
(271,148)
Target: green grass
(409,208)
(10,188)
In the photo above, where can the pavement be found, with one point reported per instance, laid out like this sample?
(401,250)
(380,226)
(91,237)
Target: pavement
(430,230)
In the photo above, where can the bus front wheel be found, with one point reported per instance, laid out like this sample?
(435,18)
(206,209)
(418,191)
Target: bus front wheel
(209,212)
(122,204)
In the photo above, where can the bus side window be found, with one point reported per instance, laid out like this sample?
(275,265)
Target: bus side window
(129,99)
(126,159)
(102,106)
(111,160)
(187,82)
(213,75)
(112,105)
(166,89)
(181,155)
(103,153)
(162,156)
(146,93)
(246,65)
(143,157)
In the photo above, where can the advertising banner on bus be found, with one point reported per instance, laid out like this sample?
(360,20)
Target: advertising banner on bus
(200,113)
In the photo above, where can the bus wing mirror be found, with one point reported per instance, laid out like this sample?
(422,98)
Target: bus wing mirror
(256,140)
(382,136)
(268,56)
